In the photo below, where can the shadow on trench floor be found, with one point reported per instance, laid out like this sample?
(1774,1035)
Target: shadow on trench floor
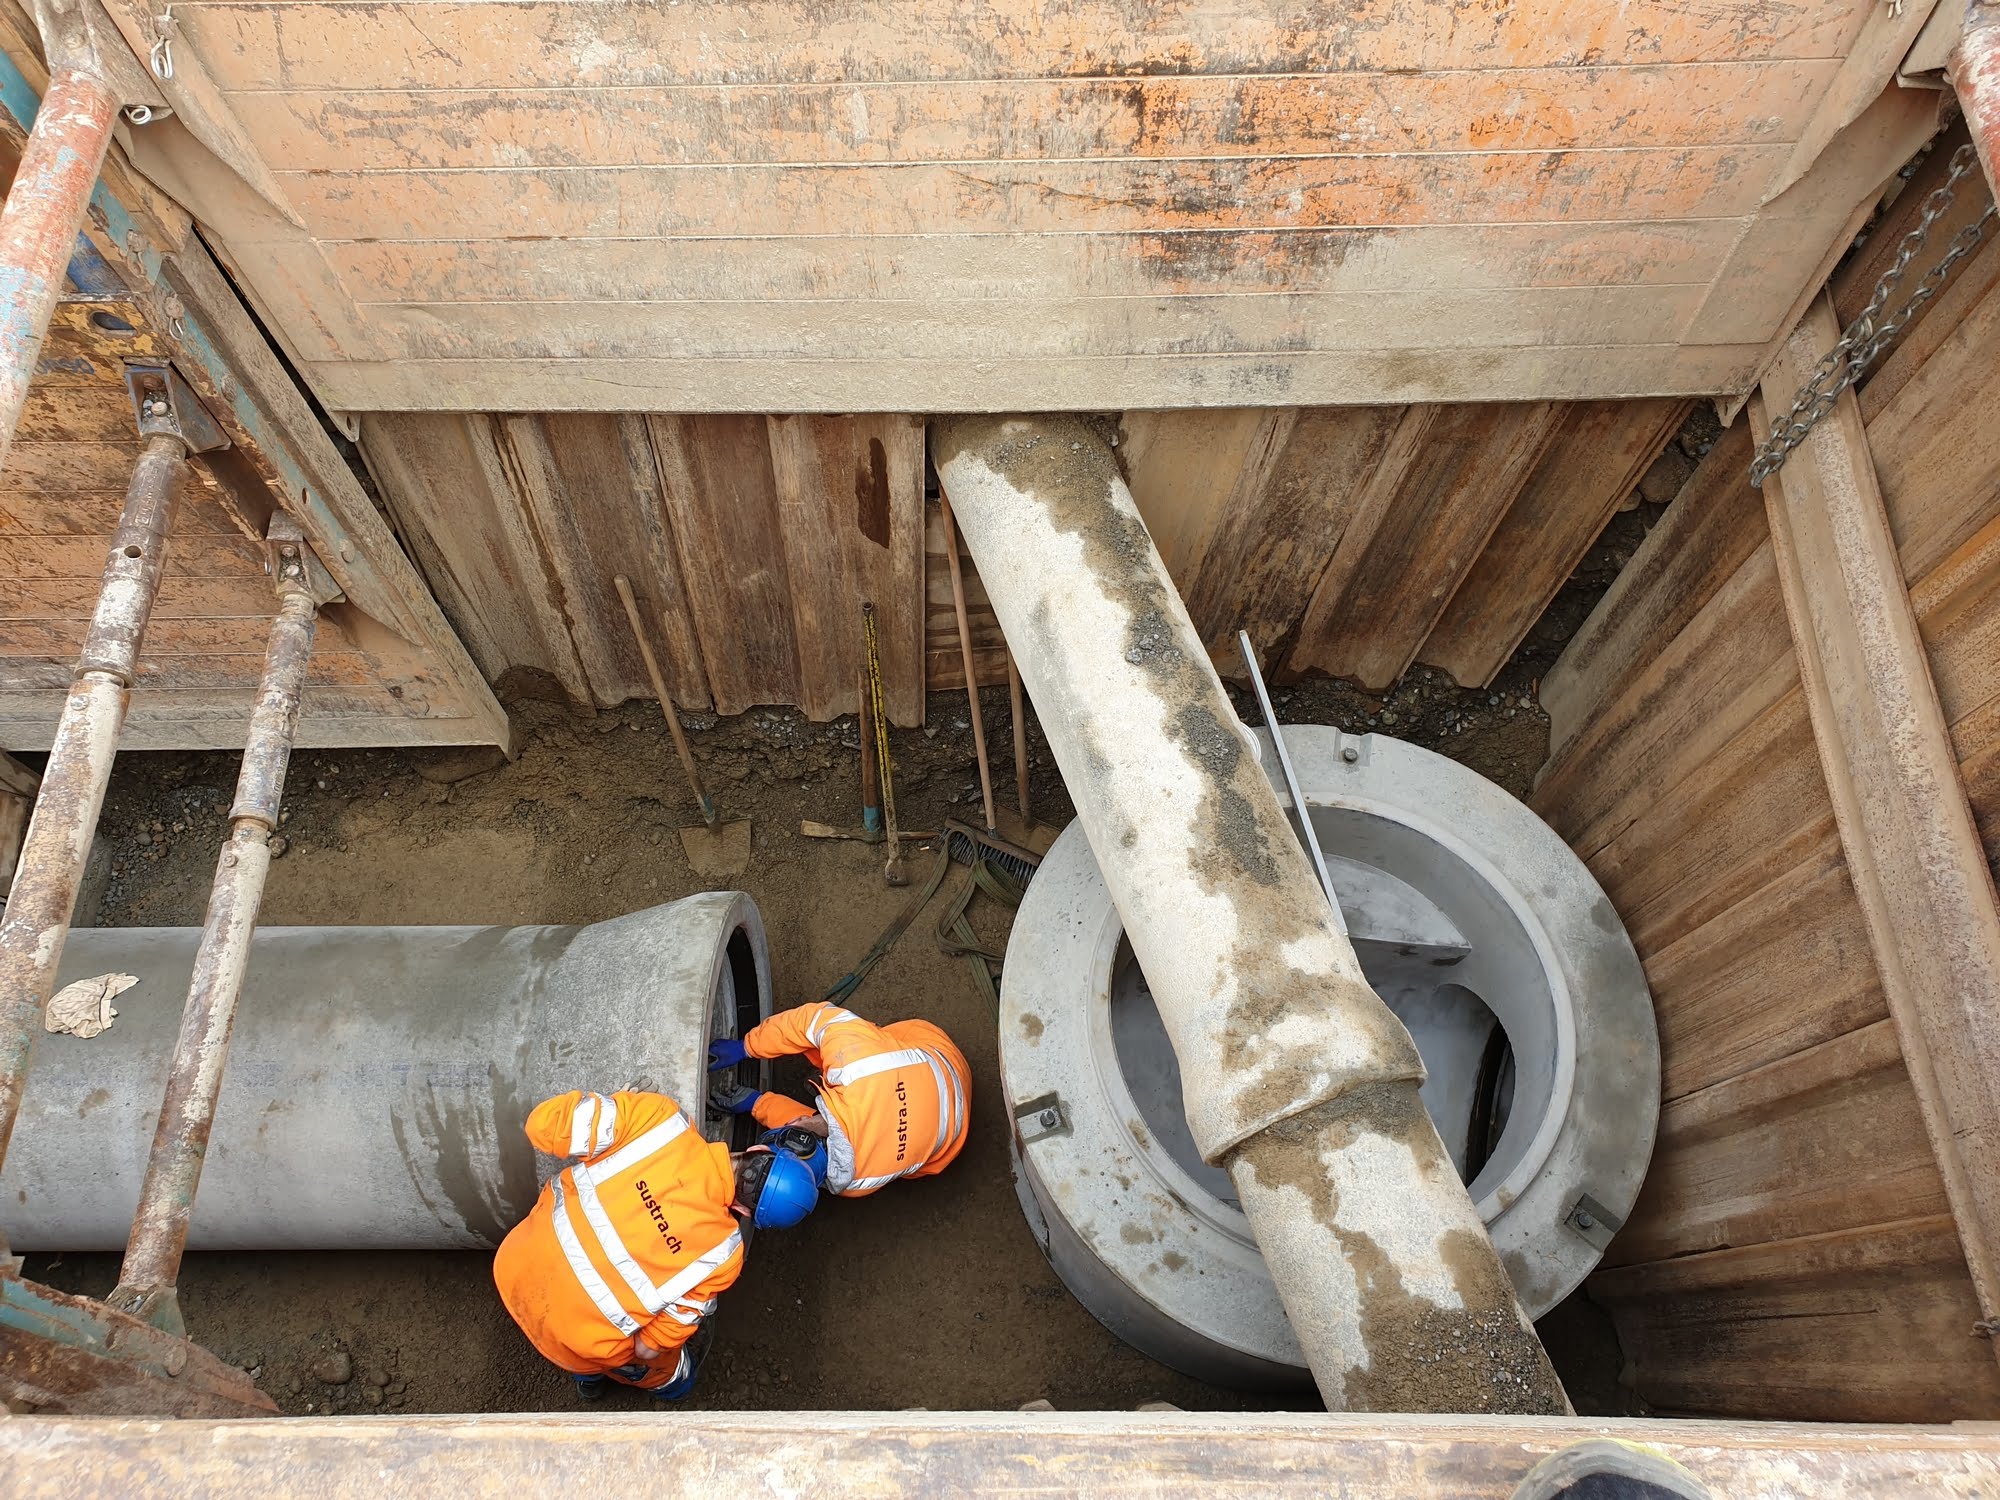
(930,1294)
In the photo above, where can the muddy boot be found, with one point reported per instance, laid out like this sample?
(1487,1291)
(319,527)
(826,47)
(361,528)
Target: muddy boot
(1604,1469)
(589,1387)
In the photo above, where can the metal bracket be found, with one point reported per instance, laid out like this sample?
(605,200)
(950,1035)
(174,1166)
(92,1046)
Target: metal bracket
(1593,1221)
(1038,1119)
(80,34)
(165,407)
(292,559)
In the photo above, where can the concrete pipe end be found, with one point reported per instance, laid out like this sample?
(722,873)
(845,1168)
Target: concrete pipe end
(1484,933)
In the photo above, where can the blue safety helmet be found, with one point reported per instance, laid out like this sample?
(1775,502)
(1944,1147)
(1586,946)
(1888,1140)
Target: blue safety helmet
(804,1144)
(788,1192)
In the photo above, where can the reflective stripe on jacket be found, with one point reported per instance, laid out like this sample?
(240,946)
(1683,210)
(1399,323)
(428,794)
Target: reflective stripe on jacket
(637,1237)
(895,1097)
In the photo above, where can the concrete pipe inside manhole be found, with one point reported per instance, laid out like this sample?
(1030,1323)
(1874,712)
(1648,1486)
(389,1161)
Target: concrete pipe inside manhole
(1477,926)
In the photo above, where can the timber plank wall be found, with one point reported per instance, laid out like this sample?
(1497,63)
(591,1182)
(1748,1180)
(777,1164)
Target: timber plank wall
(920,206)
(1347,540)
(385,667)
(1793,1254)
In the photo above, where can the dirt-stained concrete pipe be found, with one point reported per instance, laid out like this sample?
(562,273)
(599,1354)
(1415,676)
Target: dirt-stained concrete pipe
(1296,1077)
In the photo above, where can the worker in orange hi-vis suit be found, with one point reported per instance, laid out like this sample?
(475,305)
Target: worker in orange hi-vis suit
(625,1252)
(892,1101)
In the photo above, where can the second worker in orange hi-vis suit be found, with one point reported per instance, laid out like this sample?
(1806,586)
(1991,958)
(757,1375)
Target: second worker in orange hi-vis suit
(625,1252)
(892,1099)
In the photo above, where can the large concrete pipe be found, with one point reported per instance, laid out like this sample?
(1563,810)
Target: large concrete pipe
(1478,927)
(379,1076)
(1296,1077)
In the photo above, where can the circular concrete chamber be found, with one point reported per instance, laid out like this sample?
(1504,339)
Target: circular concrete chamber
(379,1077)
(1484,934)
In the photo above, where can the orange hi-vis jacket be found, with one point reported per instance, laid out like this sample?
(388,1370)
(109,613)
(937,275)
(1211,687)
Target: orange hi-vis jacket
(894,1096)
(636,1237)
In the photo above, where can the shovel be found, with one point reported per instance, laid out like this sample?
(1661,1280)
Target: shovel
(717,850)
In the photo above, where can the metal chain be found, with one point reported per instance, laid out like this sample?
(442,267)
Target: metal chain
(1866,338)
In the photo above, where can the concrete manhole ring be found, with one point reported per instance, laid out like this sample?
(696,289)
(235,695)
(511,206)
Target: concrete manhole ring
(1478,926)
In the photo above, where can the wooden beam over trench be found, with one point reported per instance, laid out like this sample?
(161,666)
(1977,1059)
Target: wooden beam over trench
(1912,847)
(837,1455)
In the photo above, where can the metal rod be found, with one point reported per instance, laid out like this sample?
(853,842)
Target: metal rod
(38,228)
(1974,71)
(894,872)
(871,778)
(681,748)
(1296,1078)
(146,1281)
(1017,706)
(86,741)
(1308,835)
(965,652)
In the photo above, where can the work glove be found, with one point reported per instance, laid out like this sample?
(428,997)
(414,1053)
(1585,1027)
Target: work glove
(726,1053)
(732,1099)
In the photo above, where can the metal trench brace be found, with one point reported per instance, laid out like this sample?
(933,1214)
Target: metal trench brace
(129,1355)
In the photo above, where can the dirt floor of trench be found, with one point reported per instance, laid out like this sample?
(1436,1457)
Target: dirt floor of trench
(932,1294)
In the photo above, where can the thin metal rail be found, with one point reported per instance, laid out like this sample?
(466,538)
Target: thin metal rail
(1308,835)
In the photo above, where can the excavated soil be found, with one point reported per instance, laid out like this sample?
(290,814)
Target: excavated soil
(930,1294)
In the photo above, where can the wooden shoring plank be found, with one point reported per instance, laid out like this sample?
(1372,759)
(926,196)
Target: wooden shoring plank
(447,484)
(1548,187)
(1710,836)
(979,1455)
(1188,471)
(1738,102)
(1920,872)
(17,801)
(1059,328)
(1599,454)
(218,635)
(80,468)
(1854,282)
(1798,944)
(1030,267)
(354,672)
(97,515)
(245,596)
(1755,810)
(717,484)
(914,1455)
(454,44)
(576,591)
(1792,242)
(1870,1324)
(1716,675)
(80,559)
(1937,463)
(240,377)
(944,661)
(1446,481)
(1110,382)
(202,718)
(1063,197)
(1828,1138)
(1712,527)
(850,508)
(1866,72)
(1979,740)
(595,499)
(93,413)
(1274,542)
